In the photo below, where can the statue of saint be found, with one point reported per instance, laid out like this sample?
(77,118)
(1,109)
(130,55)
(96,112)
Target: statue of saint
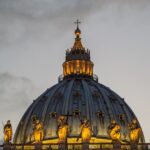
(114,131)
(7,132)
(135,131)
(38,132)
(86,131)
(62,130)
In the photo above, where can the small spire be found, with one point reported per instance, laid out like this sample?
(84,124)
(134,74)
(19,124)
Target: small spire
(77,43)
(77,23)
(77,31)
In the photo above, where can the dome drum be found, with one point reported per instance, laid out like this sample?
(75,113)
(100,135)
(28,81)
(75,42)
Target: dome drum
(78,67)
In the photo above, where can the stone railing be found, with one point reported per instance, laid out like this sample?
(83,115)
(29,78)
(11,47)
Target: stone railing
(94,77)
(77,146)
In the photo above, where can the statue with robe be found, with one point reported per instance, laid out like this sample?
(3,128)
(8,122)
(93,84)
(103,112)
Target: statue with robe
(135,131)
(7,132)
(62,130)
(86,131)
(38,132)
(114,131)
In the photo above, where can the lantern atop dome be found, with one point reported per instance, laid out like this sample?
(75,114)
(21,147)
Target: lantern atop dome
(78,58)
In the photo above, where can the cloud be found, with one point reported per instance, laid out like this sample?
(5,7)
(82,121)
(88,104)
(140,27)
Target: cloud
(15,90)
(16,94)
(25,20)
(54,9)
(63,11)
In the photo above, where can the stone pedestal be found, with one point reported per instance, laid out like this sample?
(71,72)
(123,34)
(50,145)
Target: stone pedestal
(49,148)
(62,146)
(38,146)
(85,146)
(8,146)
(116,145)
(134,146)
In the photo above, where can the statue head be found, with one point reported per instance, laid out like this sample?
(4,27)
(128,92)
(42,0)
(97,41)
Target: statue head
(34,119)
(85,120)
(113,121)
(61,119)
(37,121)
(134,121)
(8,121)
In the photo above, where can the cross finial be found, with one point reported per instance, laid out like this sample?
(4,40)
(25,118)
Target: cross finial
(77,23)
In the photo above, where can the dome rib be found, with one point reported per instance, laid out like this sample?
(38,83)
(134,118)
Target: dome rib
(51,94)
(106,99)
(89,101)
(28,116)
(67,97)
(108,116)
(20,135)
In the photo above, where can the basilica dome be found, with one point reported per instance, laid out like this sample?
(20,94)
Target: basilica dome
(76,96)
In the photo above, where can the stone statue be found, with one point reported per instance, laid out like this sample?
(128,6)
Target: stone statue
(114,131)
(7,132)
(86,131)
(135,131)
(62,130)
(38,132)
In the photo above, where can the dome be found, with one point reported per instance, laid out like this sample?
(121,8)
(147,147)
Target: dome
(76,98)
(77,95)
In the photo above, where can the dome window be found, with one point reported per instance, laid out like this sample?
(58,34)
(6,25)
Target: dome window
(121,117)
(77,93)
(76,112)
(100,114)
(112,97)
(96,94)
(53,115)
(58,95)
